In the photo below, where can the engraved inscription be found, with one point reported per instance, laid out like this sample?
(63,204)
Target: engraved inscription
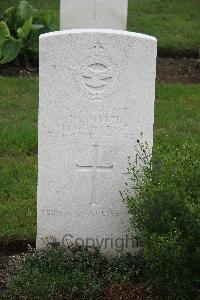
(92,124)
(94,211)
(89,124)
(94,168)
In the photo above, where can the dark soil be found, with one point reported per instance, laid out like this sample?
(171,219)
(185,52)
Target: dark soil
(169,70)
(16,69)
(185,70)
(130,292)
(15,246)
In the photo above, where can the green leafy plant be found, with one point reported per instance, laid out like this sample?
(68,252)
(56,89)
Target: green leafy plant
(67,273)
(20,28)
(164,203)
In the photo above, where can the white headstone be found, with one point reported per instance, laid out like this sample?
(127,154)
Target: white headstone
(96,97)
(109,14)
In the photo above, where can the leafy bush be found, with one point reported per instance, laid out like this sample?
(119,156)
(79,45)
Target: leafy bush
(67,273)
(20,28)
(164,203)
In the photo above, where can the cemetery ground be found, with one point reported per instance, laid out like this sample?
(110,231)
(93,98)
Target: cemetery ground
(177,112)
(176,120)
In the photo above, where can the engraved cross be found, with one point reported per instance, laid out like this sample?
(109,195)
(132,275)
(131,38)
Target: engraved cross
(95,168)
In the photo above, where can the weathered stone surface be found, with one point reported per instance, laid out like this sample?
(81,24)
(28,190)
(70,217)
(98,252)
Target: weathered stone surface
(96,97)
(109,14)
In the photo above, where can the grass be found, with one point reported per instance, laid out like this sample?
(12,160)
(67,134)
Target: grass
(175,23)
(18,148)
(177,113)
(176,120)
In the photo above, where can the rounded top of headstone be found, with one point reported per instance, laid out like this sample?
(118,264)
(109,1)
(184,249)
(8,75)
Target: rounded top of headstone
(107,31)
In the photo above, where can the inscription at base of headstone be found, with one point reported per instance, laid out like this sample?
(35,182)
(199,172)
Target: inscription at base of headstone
(97,91)
(108,14)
